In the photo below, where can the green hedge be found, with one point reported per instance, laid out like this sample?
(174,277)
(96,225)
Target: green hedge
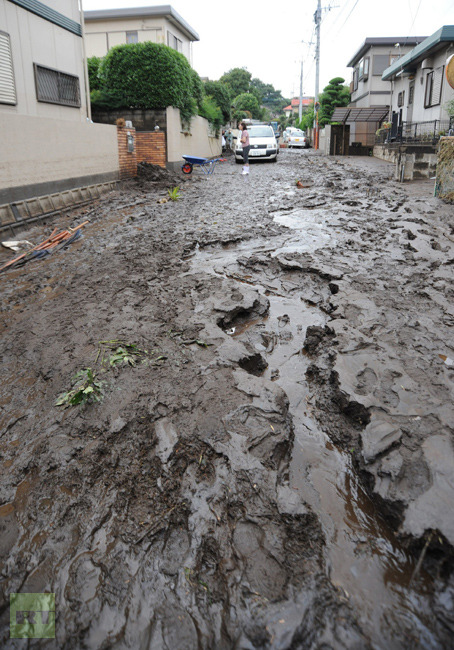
(150,76)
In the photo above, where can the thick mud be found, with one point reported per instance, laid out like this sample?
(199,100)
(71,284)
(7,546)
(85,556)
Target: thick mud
(277,470)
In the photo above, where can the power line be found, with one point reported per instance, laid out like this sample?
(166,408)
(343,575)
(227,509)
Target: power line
(353,9)
(337,18)
(417,10)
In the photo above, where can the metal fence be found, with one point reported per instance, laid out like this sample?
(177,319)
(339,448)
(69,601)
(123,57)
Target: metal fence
(416,132)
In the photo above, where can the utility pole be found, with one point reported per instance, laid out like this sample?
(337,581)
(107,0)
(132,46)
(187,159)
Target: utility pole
(318,20)
(300,107)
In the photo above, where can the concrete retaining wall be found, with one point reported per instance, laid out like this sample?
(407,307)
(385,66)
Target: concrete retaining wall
(199,140)
(412,162)
(40,156)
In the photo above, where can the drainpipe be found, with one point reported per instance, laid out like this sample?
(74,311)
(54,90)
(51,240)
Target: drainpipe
(84,54)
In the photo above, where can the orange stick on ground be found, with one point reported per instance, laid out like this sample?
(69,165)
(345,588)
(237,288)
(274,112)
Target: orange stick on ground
(16,259)
(50,242)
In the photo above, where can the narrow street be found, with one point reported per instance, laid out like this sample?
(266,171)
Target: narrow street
(274,470)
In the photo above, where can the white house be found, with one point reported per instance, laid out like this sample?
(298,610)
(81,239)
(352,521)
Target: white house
(48,143)
(159,24)
(420,90)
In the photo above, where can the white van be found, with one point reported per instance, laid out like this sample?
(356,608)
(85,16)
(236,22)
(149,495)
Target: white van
(263,143)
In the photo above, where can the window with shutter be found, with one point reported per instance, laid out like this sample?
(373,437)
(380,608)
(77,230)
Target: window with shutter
(55,87)
(437,84)
(7,85)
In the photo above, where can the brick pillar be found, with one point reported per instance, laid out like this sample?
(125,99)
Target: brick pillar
(128,159)
(151,147)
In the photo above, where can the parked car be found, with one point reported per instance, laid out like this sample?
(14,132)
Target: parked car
(288,131)
(297,138)
(263,144)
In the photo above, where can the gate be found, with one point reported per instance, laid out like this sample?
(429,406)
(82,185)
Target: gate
(340,137)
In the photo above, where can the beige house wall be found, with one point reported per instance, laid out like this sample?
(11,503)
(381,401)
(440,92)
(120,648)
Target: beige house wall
(373,91)
(101,35)
(416,112)
(35,40)
(200,141)
(37,150)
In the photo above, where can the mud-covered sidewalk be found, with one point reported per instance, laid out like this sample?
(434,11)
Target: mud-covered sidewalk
(272,464)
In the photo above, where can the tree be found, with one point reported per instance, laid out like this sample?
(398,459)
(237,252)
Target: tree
(219,92)
(267,95)
(248,102)
(334,94)
(238,81)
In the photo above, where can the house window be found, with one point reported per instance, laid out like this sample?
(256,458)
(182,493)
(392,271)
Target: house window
(174,42)
(55,87)
(434,82)
(132,37)
(401,98)
(428,93)
(355,79)
(379,64)
(411,94)
(363,71)
(7,86)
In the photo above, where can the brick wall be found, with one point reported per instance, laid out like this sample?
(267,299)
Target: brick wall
(151,147)
(128,160)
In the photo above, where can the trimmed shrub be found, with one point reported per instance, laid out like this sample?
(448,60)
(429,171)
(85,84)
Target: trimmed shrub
(150,76)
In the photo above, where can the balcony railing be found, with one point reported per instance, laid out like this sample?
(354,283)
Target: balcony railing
(416,132)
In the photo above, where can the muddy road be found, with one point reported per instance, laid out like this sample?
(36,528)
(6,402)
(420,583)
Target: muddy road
(272,466)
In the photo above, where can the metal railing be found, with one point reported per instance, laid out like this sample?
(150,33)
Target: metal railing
(416,132)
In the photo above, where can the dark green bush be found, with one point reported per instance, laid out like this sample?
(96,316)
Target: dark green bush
(104,100)
(149,76)
(93,64)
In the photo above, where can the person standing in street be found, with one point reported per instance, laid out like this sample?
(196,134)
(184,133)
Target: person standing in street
(246,146)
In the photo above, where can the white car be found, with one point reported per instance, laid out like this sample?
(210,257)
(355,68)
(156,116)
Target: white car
(263,143)
(297,138)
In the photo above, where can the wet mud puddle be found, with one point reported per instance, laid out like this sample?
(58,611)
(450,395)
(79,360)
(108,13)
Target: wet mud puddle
(364,560)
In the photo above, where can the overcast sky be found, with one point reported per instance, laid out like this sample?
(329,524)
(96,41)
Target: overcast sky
(272,44)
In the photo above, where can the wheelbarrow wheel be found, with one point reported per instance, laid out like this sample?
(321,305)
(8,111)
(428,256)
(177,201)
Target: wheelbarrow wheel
(187,168)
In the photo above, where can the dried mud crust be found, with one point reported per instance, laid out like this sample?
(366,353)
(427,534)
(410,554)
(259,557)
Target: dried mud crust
(163,516)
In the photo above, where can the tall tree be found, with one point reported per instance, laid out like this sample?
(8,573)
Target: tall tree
(238,80)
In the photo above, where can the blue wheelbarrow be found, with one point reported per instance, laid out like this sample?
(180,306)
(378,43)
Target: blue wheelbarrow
(207,165)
